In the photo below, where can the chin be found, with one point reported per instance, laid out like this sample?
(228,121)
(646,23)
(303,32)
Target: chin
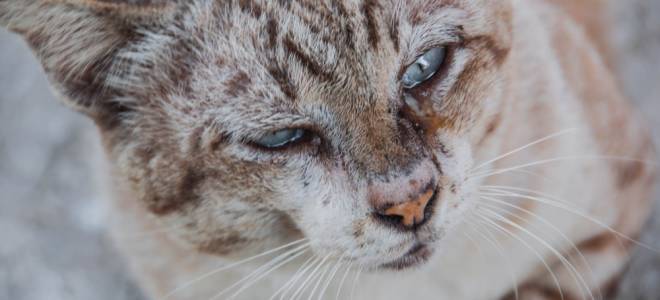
(418,255)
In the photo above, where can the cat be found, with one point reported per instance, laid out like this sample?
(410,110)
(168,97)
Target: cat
(443,149)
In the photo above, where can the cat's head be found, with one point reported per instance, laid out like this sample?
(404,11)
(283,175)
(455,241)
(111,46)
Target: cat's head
(250,123)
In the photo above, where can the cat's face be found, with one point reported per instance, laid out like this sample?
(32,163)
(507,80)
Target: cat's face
(254,123)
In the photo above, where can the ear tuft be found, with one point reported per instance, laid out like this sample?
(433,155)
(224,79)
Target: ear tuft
(78,44)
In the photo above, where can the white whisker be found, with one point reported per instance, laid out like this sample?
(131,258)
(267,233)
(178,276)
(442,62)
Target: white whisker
(262,269)
(355,281)
(547,223)
(527,245)
(541,140)
(493,242)
(562,206)
(298,275)
(573,271)
(293,277)
(571,244)
(255,280)
(322,274)
(232,265)
(332,276)
(300,289)
(556,159)
(511,189)
(343,279)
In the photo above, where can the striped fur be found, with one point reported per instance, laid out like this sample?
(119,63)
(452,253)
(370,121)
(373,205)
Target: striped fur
(180,88)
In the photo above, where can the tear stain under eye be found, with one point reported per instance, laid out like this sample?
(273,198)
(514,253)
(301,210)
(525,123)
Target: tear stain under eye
(423,115)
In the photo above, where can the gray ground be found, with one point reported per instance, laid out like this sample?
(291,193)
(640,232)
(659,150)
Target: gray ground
(51,220)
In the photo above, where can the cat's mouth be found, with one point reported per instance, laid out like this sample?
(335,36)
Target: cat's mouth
(418,254)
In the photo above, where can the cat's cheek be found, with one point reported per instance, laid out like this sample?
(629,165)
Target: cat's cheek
(454,155)
(227,230)
(453,212)
(330,212)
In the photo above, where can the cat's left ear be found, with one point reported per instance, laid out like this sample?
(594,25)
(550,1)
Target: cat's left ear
(78,44)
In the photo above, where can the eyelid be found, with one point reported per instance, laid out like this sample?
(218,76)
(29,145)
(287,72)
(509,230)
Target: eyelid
(447,44)
(313,137)
(305,142)
(280,138)
(451,37)
(254,128)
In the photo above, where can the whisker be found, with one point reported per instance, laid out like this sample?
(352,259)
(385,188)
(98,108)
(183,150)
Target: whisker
(558,159)
(300,289)
(511,189)
(298,275)
(534,174)
(540,218)
(357,278)
(527,245)
(343,279)
(548,200)
(562,206)
(322,274)
(264,268)
(499,250)
(541,140)
(232,265)
(547,223)
(310,278)
(332,276)
(255,280)
(293,277)
(573,271)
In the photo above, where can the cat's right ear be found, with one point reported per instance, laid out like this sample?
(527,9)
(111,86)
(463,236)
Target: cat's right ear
(78,44)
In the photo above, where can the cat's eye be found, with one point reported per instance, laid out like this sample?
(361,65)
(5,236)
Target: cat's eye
(281,138)
(424,67)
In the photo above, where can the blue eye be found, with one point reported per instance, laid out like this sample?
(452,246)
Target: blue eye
(423,68)
(281,138)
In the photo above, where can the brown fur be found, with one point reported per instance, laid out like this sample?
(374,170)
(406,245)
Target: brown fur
(183,90)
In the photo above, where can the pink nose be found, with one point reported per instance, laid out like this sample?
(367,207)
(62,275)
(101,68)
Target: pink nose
(411,213)
(405,202)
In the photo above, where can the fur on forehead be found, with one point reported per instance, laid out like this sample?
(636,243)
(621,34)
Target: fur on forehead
(129,65)
(266,78)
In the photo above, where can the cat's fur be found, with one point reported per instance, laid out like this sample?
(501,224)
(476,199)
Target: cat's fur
(178,87)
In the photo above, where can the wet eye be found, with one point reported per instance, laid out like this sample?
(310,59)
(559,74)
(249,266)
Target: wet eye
(281,138)
(423,68)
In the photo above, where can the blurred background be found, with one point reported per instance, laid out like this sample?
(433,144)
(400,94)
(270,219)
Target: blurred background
(52,232)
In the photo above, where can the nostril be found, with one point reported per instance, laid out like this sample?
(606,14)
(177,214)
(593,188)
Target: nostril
(428,210)
(390,220)
(411,214)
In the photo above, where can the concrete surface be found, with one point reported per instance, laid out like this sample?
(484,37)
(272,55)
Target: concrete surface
(51,218)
